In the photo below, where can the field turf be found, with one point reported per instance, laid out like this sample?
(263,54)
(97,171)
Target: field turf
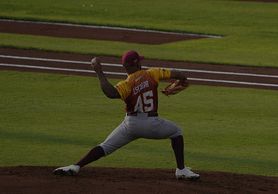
(55,119)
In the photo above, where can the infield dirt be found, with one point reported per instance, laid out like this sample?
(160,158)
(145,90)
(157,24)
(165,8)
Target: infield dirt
(124,180)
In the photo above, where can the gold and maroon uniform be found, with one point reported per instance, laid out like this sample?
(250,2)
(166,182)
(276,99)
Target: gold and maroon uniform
(139,90)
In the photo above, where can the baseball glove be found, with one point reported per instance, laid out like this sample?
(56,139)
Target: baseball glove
(175,87)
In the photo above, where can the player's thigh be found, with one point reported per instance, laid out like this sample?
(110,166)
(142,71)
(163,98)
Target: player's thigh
(117,138)
(166,129)
(158,128)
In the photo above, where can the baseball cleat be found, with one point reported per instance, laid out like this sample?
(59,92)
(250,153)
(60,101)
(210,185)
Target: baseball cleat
(70,170)
(186,174)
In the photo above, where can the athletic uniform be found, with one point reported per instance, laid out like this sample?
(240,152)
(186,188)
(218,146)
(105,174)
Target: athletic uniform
(139,92)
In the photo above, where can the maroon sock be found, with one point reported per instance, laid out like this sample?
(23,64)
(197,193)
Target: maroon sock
(93,155)
(177,145)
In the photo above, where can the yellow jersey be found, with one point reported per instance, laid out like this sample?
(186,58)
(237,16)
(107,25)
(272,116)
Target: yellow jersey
(139,90)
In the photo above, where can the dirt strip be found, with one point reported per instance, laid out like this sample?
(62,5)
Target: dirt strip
(93,32)
(196,72)
(124,180)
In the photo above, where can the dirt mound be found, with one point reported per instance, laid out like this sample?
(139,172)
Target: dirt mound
(126,180)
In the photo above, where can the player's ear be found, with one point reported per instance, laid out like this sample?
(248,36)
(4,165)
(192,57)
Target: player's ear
(139,65)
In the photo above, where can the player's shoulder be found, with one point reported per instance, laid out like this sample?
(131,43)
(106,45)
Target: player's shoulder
(158,70)
(153,69)
(122,82)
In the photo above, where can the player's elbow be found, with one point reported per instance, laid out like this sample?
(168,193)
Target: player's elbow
(112,94)
(179,75)
(109,90)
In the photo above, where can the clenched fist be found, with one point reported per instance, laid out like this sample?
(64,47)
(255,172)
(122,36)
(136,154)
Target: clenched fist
(95,63)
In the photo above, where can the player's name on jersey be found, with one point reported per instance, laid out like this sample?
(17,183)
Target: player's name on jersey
(140,87)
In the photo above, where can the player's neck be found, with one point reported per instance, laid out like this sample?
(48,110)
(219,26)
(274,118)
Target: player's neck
(132,70)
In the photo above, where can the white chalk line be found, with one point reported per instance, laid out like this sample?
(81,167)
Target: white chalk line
(119,73)
(112,27)
(119,65)
(57,69)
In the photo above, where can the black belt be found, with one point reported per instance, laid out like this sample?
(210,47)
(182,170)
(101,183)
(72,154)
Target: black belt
(149,114)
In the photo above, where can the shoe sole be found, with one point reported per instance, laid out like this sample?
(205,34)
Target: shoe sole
(64,173)
(188,178)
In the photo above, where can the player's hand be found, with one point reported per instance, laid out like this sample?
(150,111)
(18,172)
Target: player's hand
(95,63)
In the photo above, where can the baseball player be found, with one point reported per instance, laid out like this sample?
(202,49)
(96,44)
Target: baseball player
(139,92)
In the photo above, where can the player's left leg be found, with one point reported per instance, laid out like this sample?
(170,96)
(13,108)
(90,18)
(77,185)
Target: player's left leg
(93,155)
(118,138)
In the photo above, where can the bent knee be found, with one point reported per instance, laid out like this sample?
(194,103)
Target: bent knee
(108,149)
(178,132)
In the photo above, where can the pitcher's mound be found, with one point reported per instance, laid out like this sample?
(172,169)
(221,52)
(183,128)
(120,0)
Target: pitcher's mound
(126,180)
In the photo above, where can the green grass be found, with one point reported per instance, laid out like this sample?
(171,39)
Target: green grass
(216,17)
(208,50)
(55,119)
(250,29)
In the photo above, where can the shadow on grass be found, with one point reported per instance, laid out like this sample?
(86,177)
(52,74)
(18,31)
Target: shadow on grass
(32,137)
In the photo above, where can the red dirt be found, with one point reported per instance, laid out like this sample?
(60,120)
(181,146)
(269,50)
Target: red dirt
(91,32)
(146,62)
(124,180)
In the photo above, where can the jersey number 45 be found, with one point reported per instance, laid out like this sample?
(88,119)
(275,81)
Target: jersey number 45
(144,102)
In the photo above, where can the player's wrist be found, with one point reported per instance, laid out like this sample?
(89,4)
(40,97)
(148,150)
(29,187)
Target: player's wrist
(100,73)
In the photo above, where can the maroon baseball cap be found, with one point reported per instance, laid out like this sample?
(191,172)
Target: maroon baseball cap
(131,57)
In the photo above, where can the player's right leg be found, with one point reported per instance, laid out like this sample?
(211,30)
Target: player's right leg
(159,128)
(182,172)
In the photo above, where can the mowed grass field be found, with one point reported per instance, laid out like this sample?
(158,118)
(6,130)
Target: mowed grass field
(249,30)
(54,119)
